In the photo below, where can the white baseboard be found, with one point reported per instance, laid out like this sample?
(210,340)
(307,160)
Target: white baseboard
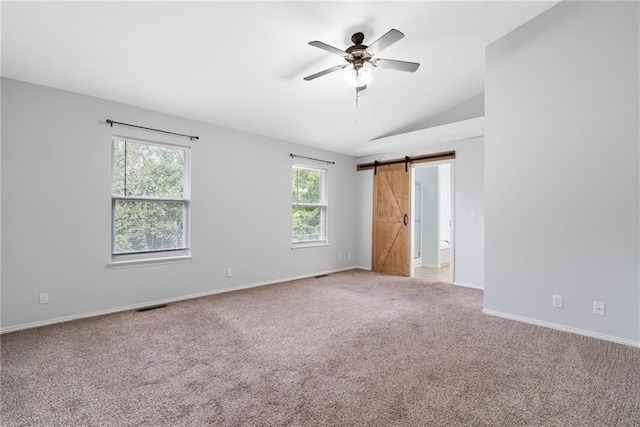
(563,328)
(468,285)
(160,302)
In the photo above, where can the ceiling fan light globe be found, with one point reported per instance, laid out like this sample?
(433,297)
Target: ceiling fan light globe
(357,77)
(365,76)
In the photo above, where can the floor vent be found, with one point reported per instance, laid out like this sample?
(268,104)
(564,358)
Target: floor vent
(320,276)
(152,307)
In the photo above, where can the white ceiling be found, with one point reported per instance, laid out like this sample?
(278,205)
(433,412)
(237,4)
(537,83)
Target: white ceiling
(241,64)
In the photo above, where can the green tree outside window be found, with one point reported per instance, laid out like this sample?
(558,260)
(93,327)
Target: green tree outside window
(149,197)
(308,215)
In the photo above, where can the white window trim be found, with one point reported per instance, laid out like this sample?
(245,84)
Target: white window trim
(138,259)
(149,261)
(307,244)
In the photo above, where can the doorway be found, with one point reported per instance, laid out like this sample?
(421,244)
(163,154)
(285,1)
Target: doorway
(432,251)
(392,244)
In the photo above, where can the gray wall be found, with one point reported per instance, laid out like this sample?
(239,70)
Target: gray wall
(561,108)
(56,207)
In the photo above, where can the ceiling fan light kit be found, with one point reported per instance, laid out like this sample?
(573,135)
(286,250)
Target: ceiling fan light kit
(360,59)
(357,77)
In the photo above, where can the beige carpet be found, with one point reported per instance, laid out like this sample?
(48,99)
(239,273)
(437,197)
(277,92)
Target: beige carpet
(354,348)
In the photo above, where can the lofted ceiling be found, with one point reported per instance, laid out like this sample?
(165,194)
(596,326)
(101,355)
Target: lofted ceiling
(241,64)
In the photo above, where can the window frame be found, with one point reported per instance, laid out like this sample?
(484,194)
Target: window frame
(323,205)
(161,255)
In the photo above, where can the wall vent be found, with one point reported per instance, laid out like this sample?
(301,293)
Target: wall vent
(151,307)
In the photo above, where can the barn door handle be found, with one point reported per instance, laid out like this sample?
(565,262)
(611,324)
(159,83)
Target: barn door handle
(406,219)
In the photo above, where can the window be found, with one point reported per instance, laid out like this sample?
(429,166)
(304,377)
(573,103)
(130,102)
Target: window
(150,200)
(309,207)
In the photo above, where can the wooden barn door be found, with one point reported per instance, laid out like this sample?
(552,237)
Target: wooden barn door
(391,223)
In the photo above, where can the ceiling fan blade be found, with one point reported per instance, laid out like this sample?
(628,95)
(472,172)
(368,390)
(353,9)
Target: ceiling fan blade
(325,72)
(385,41)
(395,65)
(328,48)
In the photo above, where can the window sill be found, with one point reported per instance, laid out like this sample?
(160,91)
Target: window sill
(149,261)
(309,245)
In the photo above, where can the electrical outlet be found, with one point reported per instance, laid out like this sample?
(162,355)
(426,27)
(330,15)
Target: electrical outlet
(472,217)
(557,301)
(349,255)
(598,308)
(44,298)
(339,257)
(229,272)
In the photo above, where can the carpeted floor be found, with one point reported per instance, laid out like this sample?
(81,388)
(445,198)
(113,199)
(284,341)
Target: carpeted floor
(354,348)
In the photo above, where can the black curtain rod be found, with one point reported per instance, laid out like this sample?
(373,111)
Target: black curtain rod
(311,158)
(111,122)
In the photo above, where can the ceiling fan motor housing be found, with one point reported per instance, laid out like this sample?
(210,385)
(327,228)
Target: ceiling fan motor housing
(357,54)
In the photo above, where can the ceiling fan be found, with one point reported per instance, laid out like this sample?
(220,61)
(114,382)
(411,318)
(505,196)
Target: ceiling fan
(359,55)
